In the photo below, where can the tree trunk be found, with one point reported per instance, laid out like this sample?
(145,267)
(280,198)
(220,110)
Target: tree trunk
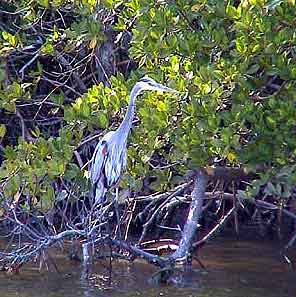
(190,227)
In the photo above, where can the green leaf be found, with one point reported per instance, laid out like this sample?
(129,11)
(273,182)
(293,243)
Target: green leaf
(43,3)
(47,48)
(103,120)
(2,130)
(72,171)
(240,44)
(233,12)
(108,3)
(47,199)
(270,189)
(253,69)
(11,39)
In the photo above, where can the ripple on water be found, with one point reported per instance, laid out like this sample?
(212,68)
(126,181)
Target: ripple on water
(234,269)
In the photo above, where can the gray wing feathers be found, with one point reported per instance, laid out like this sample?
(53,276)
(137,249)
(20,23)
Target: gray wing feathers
(115,165)
(99,192)
(98,162)
(108,164)
(100,156)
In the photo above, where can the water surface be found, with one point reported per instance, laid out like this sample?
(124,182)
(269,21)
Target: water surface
(233,269)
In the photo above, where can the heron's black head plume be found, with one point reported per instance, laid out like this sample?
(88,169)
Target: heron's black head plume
(147,83)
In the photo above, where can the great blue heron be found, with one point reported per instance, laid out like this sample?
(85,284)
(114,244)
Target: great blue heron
(109,159)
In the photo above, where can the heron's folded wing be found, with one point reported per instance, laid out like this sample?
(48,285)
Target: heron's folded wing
(98,161)
(115,165)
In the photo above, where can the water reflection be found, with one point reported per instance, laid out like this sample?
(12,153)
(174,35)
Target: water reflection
(234,269)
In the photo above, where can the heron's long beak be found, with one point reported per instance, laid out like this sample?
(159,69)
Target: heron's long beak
(163,88)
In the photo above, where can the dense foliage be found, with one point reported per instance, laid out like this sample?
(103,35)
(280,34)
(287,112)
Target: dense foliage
(233,63)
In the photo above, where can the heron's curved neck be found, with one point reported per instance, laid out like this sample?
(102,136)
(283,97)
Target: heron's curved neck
(126,124)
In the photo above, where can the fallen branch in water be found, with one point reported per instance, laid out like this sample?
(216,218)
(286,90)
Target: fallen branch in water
(139,253)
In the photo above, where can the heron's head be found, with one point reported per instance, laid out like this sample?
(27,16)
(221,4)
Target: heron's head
(148,84)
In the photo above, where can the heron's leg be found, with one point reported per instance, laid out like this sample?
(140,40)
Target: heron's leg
(117,212)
